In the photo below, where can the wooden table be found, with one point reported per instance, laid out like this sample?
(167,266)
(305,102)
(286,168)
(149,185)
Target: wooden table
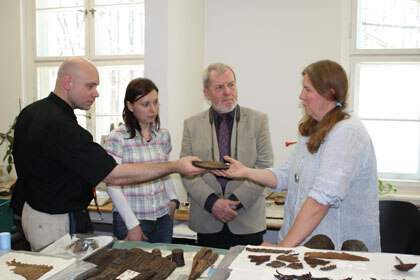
(105,216)
(106,208)
(7,184)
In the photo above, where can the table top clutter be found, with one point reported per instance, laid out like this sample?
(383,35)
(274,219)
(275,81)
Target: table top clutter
(375,265)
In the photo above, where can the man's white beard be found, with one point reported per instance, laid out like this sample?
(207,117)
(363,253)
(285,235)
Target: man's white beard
(223,109)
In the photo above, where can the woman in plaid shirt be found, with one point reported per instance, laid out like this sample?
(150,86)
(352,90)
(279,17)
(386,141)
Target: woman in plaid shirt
(144,211)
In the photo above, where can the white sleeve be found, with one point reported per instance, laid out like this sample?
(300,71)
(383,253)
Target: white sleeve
(122,206)
(170,188)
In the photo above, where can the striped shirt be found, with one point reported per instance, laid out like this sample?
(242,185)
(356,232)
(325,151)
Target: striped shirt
(149,200)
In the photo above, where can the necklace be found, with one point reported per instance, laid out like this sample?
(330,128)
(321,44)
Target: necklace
(299,169)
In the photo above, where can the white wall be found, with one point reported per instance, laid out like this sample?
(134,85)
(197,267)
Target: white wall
(174,54)
(186,52)
(10,70)
(268,43)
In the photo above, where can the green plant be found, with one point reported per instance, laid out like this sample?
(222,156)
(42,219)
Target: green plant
(384,189)
(112,126)
(8,139)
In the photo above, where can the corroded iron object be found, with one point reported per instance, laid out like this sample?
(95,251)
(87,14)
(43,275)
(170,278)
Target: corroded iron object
(354,245)
(208,164)
(320,241)
(178,257)
(202,260)
(404,266)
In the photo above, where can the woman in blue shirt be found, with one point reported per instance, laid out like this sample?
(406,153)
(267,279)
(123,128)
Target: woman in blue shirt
(331,177)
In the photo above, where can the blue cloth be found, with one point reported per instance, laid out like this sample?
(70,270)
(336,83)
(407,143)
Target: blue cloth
(160,230)
(341,174)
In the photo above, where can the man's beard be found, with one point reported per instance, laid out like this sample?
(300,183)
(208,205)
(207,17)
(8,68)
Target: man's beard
(223,109)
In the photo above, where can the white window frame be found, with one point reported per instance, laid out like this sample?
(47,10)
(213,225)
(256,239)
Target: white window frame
(32,61)
(373,52)
(374,56)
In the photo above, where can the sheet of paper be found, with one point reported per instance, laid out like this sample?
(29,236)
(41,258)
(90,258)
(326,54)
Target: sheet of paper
(380,266)
(6,271)
(181,230)
(60,246)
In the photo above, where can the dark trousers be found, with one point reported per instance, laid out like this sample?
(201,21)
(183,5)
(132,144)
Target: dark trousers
(80,222)
(226,239)
(160,230)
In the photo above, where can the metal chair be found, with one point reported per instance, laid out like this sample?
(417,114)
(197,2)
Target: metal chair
(399,227)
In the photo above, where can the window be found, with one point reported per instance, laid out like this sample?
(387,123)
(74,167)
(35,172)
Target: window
(108,32)
(388,24)
(386,66)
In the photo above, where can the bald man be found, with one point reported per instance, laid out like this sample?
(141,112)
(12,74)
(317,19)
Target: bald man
(57,162)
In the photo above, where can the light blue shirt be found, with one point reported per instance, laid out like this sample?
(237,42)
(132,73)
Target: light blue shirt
(342,174)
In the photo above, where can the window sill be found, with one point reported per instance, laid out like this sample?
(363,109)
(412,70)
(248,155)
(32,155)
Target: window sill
(413,198)
(406,191)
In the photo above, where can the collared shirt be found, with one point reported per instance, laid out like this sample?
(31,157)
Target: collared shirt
(57,162)
(218,120)
(212,198)
(342,174)
(148,200)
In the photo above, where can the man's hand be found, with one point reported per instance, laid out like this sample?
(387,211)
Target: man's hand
(185,167)
(222,210)
(135,234)
(236,169)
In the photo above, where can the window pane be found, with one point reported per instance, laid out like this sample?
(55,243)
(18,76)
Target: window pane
(110,104)
(119,30)
(389,91)
(388,24)
(113,83)
(58,3)
(81,117)
(46,77)
(103,124)
(60,32)
(107,2)
(396,145)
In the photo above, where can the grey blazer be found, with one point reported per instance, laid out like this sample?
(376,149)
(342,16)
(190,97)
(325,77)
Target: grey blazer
(254,150)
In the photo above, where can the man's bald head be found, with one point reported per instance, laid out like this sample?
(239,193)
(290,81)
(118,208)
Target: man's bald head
(71,66)
(76,83)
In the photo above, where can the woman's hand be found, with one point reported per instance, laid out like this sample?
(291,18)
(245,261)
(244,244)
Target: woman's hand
(236,169)
(172,208)
(135,234)
(268,244)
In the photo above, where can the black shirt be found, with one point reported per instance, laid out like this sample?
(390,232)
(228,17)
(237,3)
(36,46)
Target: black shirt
(57,162)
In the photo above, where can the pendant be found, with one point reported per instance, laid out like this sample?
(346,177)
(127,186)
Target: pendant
(296,178)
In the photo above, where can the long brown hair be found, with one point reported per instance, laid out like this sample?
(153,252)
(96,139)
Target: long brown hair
(330,81)
(137,89)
